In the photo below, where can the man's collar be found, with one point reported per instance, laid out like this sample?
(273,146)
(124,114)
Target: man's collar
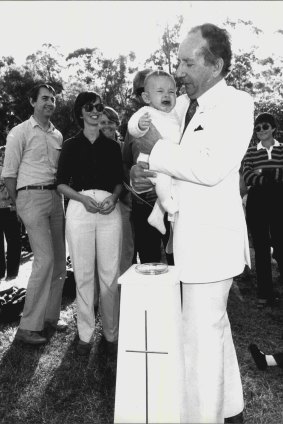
(213,93)
(34,123)
(260,146)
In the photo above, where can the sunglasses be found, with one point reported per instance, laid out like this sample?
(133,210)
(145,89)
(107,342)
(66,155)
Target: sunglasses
(90,106)
(263,127)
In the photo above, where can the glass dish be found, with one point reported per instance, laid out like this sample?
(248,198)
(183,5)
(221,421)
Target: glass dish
(152,268)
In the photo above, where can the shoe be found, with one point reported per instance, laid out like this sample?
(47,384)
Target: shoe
(258,357)
(236,419)
(83,348)
(60,326)
(30,337)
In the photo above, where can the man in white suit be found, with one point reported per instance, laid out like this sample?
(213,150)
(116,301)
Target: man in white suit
(210,236)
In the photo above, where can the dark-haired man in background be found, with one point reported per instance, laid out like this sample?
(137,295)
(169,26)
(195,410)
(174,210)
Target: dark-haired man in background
(210,242)
(30,166)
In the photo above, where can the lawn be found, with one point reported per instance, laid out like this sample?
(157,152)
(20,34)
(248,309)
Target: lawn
(52,385)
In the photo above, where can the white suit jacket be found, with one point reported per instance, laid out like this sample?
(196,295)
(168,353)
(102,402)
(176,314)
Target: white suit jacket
(210,236)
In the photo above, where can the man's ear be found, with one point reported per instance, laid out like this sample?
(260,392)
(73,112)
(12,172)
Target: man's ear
(145,97)
(218,67)
(31,102)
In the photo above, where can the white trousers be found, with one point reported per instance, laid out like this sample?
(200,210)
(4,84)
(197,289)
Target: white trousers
(213,388)
(95,240)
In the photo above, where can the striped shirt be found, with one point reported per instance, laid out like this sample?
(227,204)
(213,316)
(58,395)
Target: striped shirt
(262,165)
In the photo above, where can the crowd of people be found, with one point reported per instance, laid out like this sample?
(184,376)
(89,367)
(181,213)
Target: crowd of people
(172,186)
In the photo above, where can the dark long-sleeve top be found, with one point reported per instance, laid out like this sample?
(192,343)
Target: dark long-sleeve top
(262,166)
(84,165)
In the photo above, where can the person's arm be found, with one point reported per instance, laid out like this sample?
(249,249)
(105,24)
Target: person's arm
(139,123)
(208,156)
(254,176)
(89,203)
(108,204)
(11,184)
(13,157)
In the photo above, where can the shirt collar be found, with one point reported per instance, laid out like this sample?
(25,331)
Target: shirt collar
(34,123)
(260,146)
(208,98)
(83,137)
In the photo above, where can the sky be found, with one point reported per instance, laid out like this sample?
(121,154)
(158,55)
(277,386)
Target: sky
(118,27)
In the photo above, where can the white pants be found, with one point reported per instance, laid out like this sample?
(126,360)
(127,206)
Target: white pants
(95,240)
(213,388)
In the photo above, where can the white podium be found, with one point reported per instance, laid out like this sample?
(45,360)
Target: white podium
(150,360)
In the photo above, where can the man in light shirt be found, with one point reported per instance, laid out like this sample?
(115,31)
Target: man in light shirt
(210,241)
(30,166)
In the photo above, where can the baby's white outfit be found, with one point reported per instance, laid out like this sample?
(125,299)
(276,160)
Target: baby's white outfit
(168,125)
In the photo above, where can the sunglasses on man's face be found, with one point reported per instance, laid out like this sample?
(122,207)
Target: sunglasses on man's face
(90,106)
(263,127)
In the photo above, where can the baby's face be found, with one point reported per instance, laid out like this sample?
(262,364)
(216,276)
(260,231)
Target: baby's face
(161,93)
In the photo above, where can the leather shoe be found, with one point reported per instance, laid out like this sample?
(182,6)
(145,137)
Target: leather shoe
(30,337)
(236,419)
(60,326)
(258,357)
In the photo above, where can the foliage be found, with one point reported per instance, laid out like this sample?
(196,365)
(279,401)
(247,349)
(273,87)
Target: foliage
(166,56)
(88,69)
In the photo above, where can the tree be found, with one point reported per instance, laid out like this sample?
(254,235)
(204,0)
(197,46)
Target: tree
(46,65)
(166,55)
(107,76)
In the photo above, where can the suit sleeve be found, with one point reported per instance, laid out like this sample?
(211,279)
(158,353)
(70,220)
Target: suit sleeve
(206,157)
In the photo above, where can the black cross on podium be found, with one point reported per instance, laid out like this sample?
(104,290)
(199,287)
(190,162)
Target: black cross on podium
(146,352)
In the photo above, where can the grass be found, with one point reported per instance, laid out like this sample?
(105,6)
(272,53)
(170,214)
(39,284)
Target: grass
(52,385)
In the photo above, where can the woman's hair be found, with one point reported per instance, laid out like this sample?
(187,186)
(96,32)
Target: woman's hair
(82,99)
(111,114)
(266,117)
(138,82)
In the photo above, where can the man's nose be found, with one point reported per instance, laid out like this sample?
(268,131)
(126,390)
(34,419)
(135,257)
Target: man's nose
(179,72)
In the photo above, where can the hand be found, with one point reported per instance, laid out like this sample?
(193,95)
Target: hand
(139,175)
(147,141)
(90,204)
(107,206)
(144,121)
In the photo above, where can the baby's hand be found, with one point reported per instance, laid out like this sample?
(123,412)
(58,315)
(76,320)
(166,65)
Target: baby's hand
(144,121)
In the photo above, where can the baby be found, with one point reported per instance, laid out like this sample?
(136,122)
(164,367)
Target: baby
(160,96)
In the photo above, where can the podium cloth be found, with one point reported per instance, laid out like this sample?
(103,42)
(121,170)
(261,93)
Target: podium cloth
(150,363)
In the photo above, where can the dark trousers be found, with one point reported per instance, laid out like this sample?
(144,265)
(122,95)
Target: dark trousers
(147,238)
(265,221)
(10,228)
(279,359)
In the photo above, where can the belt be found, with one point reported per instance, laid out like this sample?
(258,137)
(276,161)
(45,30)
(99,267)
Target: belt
(38,187)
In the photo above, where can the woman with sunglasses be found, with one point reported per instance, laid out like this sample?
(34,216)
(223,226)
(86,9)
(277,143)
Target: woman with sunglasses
(263,175)
(90,174)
